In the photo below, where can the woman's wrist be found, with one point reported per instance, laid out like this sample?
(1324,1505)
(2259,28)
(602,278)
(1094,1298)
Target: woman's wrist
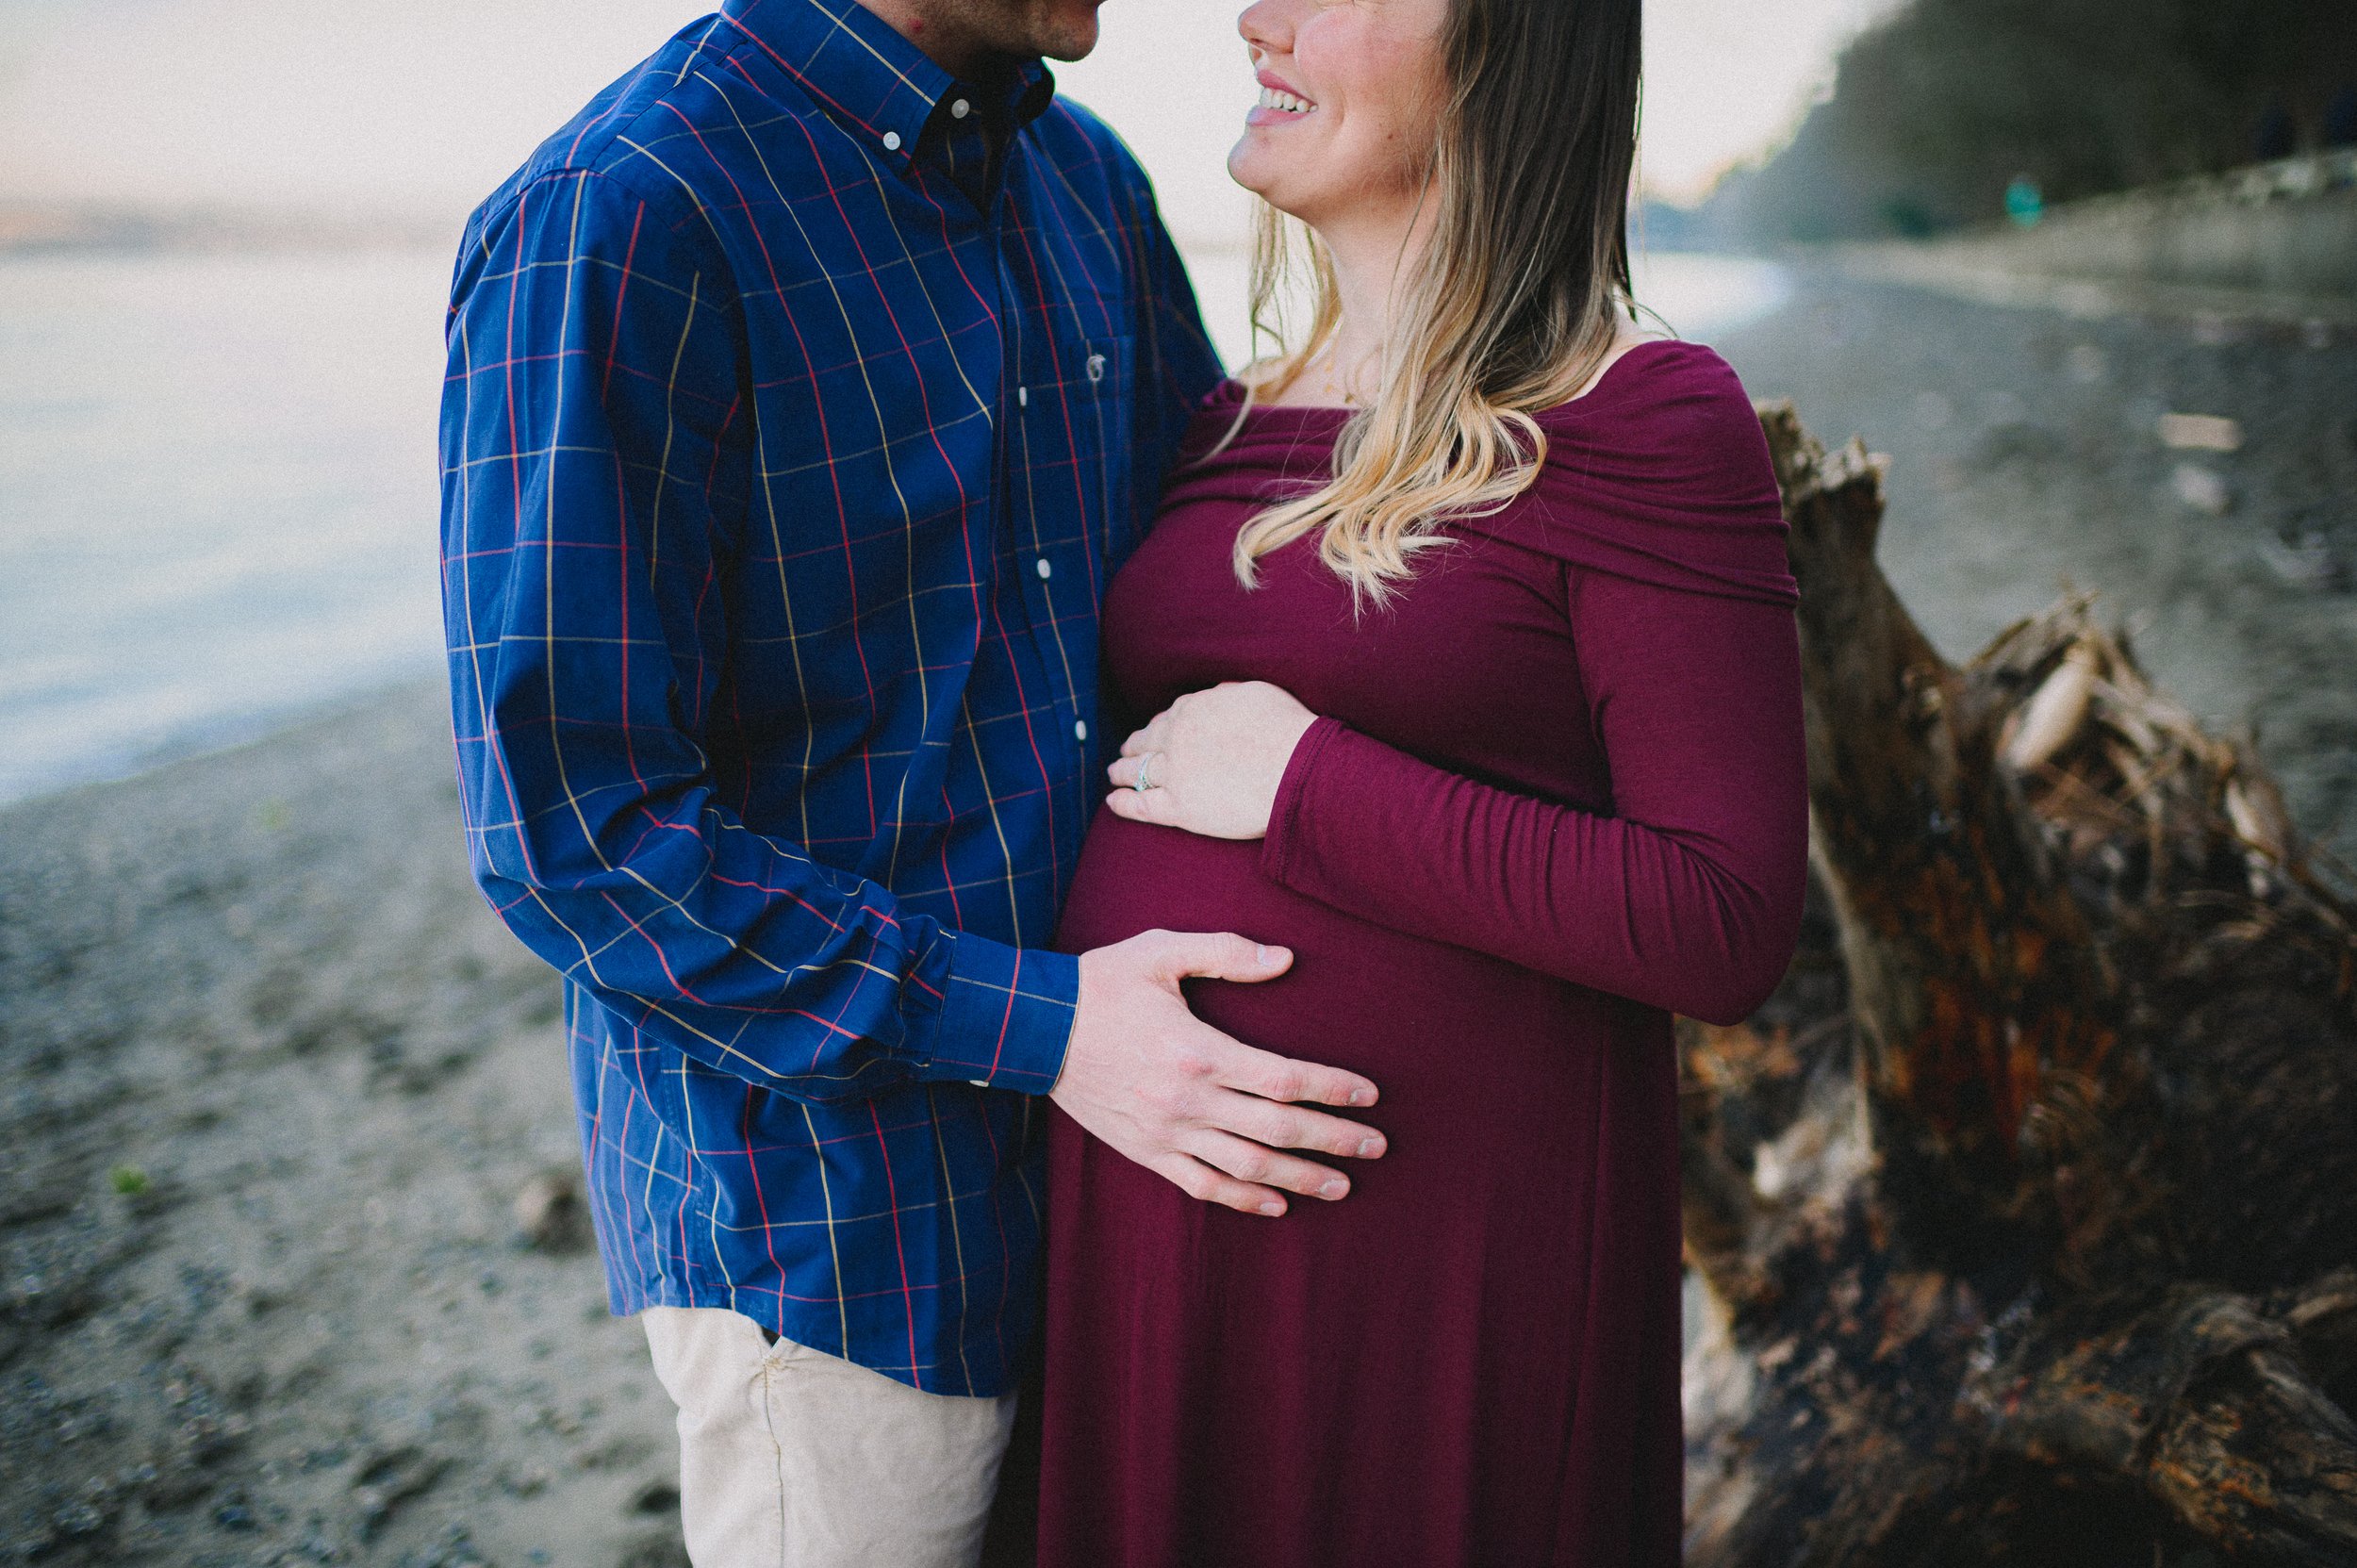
(1292,788)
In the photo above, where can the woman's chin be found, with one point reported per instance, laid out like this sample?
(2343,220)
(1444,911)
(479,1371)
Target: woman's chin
(1251,165)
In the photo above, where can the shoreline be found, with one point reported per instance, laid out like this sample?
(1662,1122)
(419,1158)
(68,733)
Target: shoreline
(51,228)
(207,738)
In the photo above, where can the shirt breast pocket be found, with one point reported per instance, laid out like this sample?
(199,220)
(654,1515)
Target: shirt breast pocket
(1102,399)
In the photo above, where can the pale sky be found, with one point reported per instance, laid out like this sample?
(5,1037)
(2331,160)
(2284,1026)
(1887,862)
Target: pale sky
(420,106)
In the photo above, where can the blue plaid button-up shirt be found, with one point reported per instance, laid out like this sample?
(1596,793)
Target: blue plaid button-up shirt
(800,403)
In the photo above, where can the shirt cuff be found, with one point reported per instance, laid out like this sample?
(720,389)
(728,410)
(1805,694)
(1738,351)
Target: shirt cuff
(1005,1017)
(1285,825)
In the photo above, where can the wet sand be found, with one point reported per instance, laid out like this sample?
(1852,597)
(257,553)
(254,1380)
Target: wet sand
(257,990)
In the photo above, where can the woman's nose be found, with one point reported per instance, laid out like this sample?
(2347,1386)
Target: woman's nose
(1265,25)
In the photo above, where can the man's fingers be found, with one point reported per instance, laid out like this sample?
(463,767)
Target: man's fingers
(1199,1180)
(1273,1076)
(1224,956)
(1262,1166)
(1274,1125)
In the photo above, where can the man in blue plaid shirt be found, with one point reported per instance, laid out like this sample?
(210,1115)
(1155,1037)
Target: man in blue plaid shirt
(804,392)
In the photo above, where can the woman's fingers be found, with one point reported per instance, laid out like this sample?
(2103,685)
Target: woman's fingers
(1148,737)
(1152,804)
(1143,806)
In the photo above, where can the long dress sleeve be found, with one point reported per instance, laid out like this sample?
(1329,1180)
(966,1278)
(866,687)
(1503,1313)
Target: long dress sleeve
(1686,896)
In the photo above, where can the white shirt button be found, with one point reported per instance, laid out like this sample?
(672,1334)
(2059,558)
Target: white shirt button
(892,141)
(1044,569)
(1023,397)
(980,1082)
(1096,367)
(1079,729)
(960,108)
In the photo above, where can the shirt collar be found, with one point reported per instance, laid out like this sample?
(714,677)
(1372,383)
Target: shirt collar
(852,61)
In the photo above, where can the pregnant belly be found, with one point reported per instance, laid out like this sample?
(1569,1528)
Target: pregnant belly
(1447,1034)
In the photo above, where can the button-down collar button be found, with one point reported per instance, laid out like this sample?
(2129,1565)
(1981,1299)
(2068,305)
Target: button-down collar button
(960,108)
(1044,569)
(892,141)
(1079,729)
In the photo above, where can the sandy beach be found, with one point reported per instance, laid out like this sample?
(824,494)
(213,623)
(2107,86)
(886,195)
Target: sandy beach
(258,990)
(272,1079)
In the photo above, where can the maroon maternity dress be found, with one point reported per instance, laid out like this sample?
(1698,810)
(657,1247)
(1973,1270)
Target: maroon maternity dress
(1556,793)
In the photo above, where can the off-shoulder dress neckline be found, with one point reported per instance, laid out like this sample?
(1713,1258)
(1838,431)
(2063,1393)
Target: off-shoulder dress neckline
(1230,393)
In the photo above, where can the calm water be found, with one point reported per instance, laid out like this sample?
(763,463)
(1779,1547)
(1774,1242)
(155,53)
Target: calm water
(218,497)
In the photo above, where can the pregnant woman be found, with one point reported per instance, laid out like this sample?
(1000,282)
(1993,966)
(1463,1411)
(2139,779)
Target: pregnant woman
(1466,637)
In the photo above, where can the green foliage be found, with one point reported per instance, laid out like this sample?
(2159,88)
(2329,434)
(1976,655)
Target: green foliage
(1942,106)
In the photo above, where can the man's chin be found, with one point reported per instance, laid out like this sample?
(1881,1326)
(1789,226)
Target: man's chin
(1072,40)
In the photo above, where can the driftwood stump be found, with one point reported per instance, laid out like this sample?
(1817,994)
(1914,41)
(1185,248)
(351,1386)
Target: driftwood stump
(2027,1210)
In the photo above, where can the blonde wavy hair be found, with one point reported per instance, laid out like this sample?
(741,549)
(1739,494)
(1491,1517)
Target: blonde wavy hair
(1513,305)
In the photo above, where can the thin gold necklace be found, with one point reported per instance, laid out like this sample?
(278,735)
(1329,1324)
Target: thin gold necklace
(1326,381)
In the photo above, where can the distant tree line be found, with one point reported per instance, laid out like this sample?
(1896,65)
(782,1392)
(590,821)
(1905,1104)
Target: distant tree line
(1938,108)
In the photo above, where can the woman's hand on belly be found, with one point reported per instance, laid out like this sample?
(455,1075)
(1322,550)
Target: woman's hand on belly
(1212,761)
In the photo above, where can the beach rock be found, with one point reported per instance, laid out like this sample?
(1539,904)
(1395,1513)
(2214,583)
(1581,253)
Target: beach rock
(550,1215)
(654,1551)
(655,1496)
(2202,489)
(391,1478)
(452,1548)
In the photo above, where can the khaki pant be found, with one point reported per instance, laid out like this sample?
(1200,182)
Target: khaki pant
(790,1457)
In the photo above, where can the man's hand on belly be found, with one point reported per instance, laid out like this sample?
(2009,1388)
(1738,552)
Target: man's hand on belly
(1208,1112)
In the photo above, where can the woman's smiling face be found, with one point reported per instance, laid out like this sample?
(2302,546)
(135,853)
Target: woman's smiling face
(1350,96)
